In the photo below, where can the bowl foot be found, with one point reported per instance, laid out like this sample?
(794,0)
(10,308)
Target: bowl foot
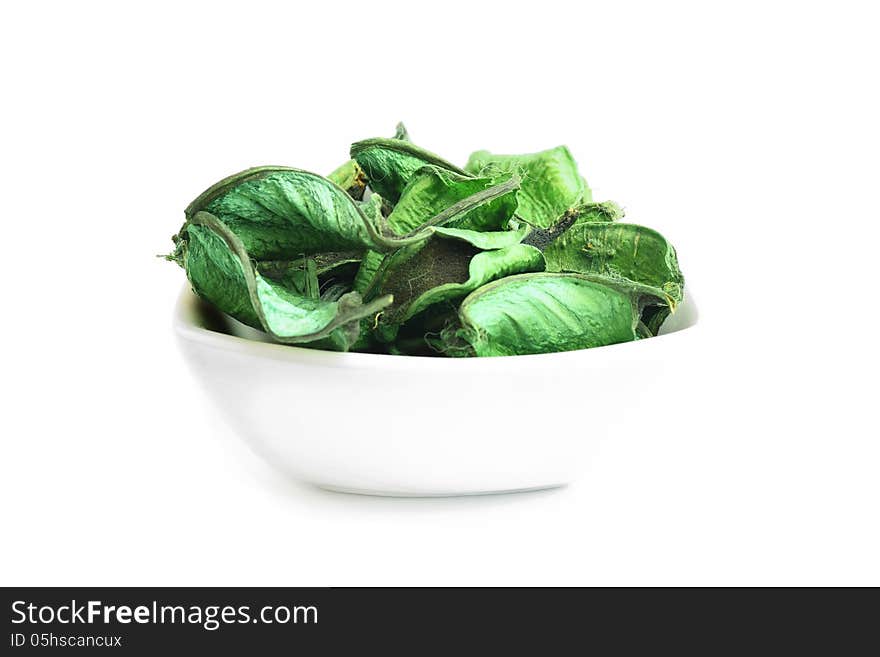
(404,493)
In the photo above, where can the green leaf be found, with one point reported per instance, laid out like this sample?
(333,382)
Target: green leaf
(390,164)
(416,269)
(325,263)
(281,213)
(484,241)
(625,252)
(432,189)
(551,184)
(484,268)
(350,177)
(444,269)
(604,212)
(399,251)
(221,272)
(301,277)
(319,272)
(216,274)
(372,209)
(542,313)
(653,317)
(372,265)
(367,271)
(586,212)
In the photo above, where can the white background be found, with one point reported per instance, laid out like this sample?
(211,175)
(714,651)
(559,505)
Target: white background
(747,134)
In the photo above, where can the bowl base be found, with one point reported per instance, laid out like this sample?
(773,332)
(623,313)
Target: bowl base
(404,493)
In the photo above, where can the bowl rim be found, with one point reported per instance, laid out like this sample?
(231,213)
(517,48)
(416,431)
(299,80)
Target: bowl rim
(186,327)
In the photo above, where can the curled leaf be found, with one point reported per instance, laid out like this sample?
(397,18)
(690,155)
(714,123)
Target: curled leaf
(318,272)
(350,177)
(432,188)
(550,186)
(542,313)
(367,272)
(373,263)
(483,268)
(390,164)
(444,270)
(430,191)
(625,252)
(280,213)
(485,241)
(399,251)
(221,272)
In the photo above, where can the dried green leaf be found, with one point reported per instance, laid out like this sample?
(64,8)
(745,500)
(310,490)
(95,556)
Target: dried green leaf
(483,268)
(444,269)
(350,177)
(310,275)
(484,241)
(430,191)
(506,256)
(542,313)
(389,164)
(280,213)
(367,271)
(551,184)
(372,266)
(625,252)
(586,212)
(221,272)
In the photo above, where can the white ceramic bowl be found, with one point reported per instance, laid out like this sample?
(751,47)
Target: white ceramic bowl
(420,426)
